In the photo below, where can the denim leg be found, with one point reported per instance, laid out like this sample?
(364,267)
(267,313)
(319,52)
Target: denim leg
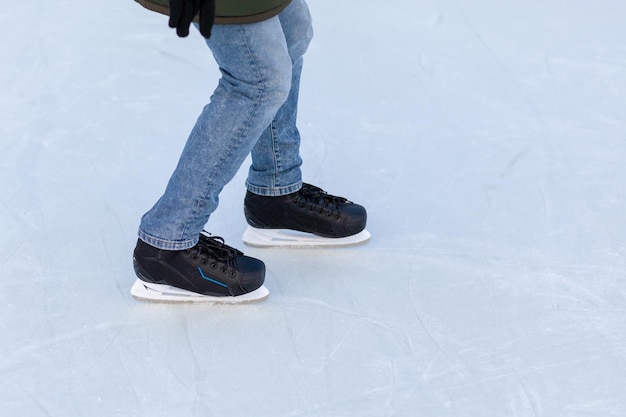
(256,79)
(276,161)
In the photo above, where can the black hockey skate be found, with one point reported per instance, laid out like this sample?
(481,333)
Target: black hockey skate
(211,271)
(308,217)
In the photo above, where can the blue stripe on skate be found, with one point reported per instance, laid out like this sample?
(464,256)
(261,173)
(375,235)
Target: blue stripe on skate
(211,280)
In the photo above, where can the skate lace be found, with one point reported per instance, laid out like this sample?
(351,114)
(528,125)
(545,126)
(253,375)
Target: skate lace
(316,198)
(213,247)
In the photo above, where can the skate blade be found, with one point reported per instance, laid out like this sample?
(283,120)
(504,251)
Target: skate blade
(267,238)
(166,294)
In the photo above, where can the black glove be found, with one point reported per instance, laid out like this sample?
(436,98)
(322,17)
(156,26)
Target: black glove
(182,13)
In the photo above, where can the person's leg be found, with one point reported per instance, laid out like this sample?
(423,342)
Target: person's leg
(256,80)
(277,199)
(276,161)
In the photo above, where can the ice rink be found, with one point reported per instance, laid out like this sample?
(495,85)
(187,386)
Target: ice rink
(486,138)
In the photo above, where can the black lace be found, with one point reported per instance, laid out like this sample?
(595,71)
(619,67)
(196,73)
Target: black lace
(213,247)
(316,198)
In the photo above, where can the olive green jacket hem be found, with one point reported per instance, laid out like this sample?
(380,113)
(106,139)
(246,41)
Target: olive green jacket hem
(222,20)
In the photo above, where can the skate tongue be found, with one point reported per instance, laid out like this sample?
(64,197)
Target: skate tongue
(327,202)
(216,247)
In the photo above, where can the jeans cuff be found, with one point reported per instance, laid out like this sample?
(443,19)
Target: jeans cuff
(164,244)
(274,191)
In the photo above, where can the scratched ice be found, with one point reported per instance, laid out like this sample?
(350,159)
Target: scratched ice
(486,138)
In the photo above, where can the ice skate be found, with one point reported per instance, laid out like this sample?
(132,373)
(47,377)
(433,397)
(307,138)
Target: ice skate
(209,272)
(309,217)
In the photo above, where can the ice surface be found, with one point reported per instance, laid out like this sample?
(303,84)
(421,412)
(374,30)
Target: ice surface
(486,138)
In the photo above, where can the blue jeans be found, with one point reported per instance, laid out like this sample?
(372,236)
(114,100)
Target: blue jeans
(253,110)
